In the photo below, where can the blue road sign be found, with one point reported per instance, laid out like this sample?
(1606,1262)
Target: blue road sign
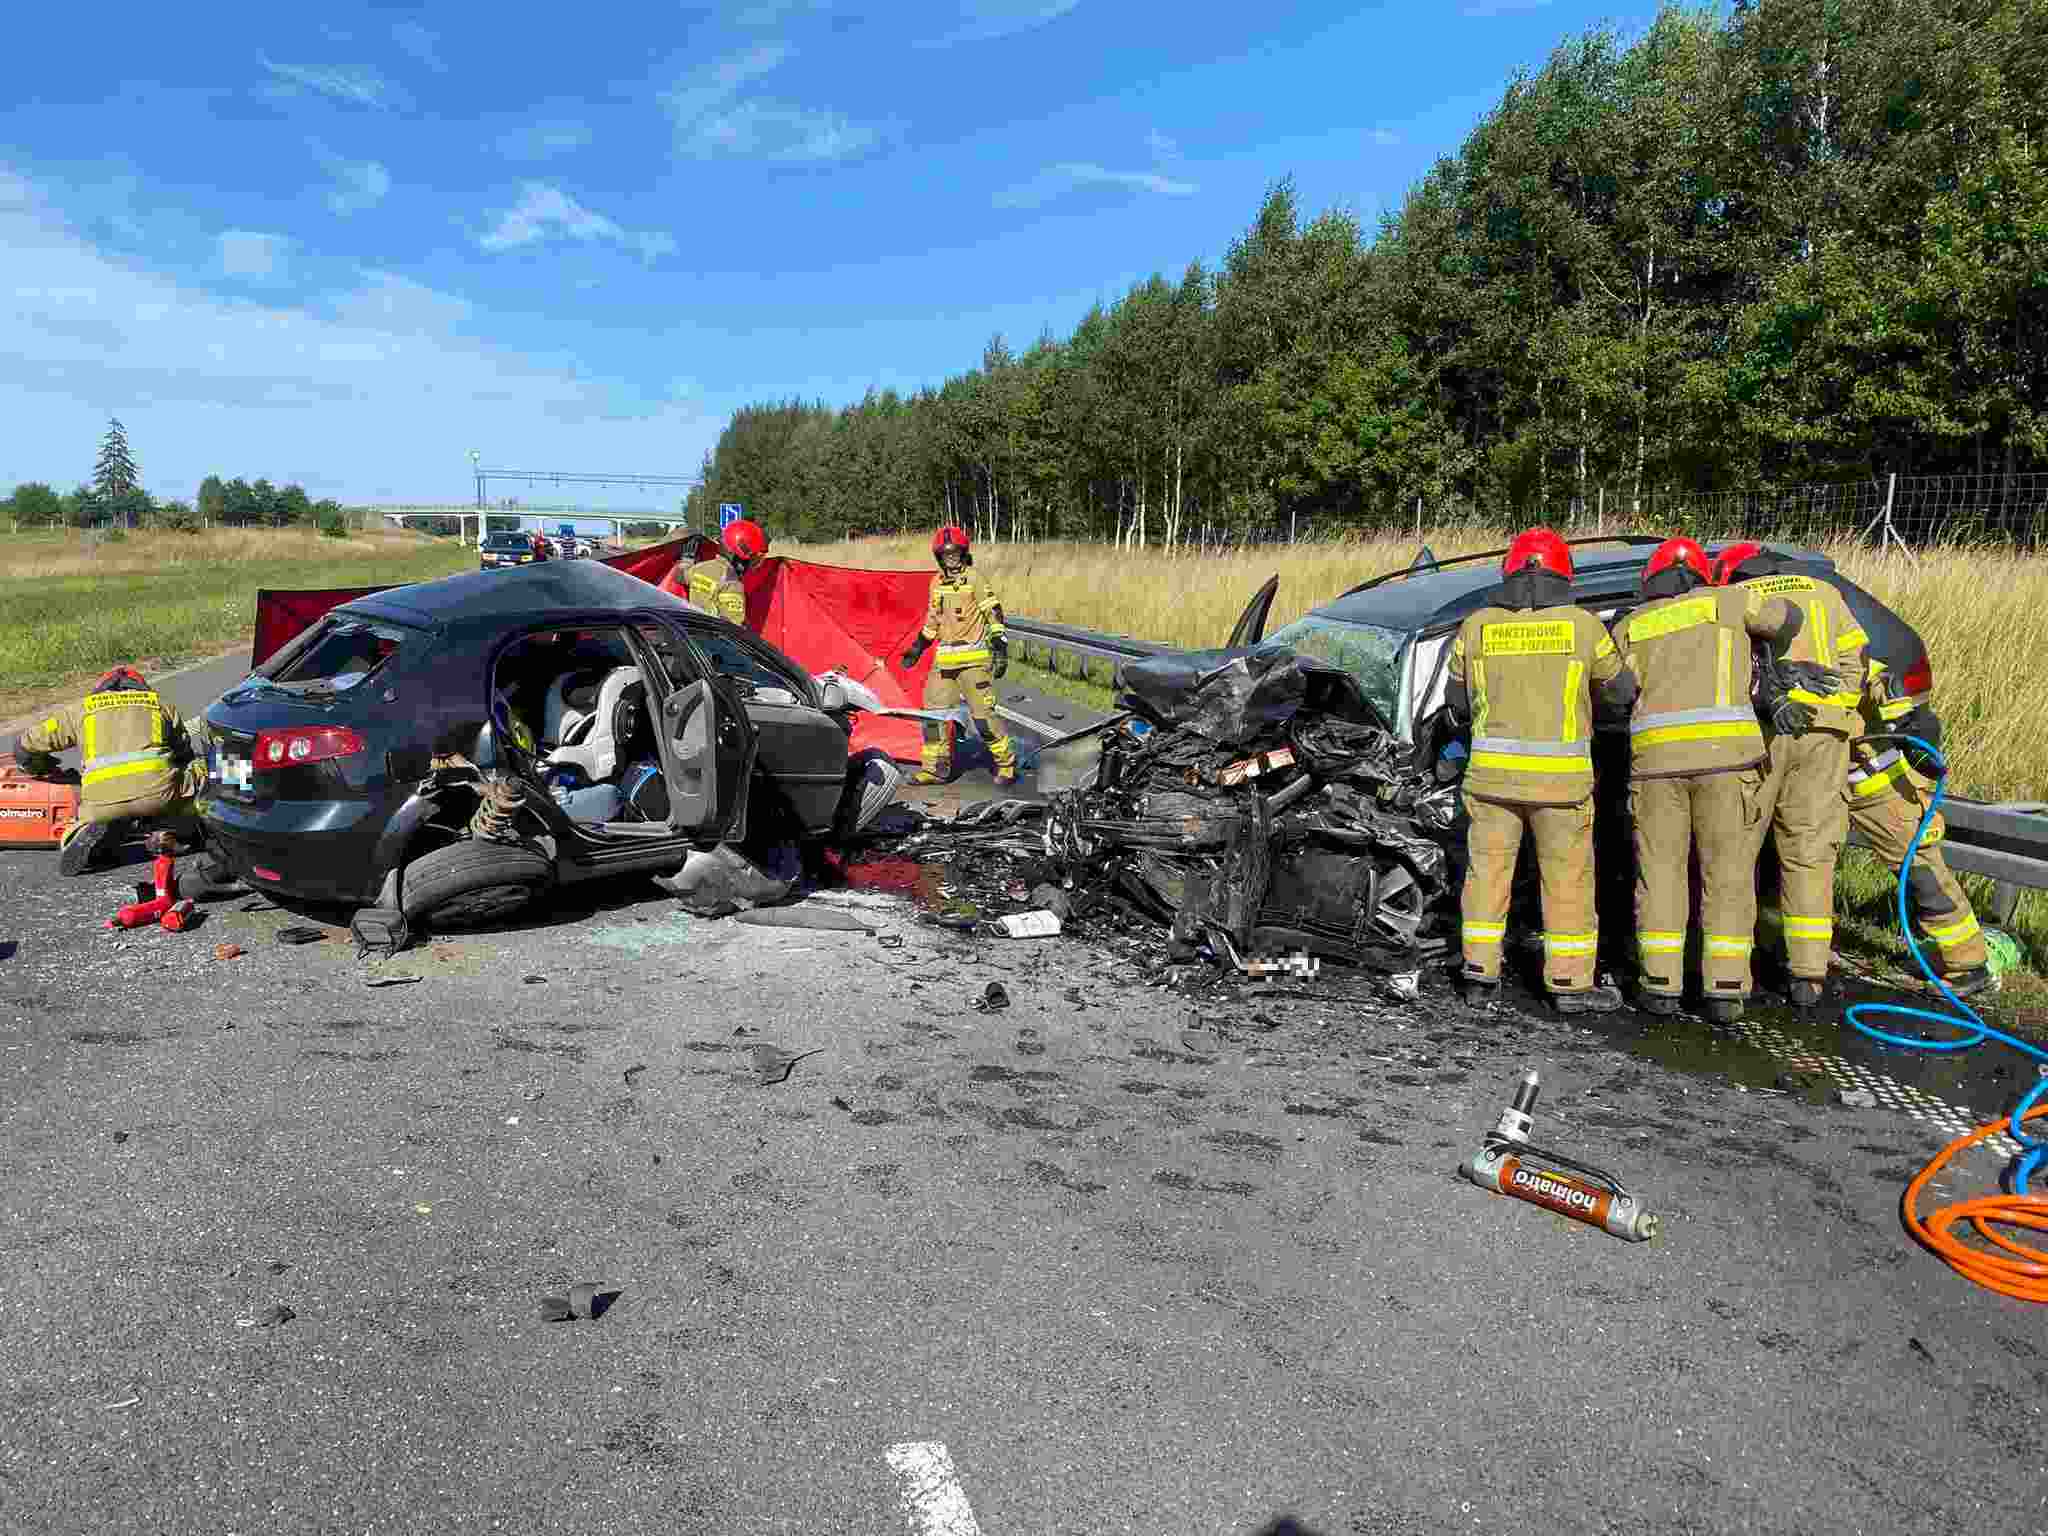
(730,512)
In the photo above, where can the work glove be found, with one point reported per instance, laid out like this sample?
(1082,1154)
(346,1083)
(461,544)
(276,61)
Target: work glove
(38,765)
(1001,650)
(913,652)
(1925,724)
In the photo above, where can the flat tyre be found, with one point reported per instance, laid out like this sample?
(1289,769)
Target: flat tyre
(473,884)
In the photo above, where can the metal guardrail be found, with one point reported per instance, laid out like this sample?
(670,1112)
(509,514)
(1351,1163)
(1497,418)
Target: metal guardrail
(2006,843)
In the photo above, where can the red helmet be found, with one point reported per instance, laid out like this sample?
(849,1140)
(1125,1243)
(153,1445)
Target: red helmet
(952,536)
(1679,551)
(122,680)
(1730,560)
(744,540)
(1541,548)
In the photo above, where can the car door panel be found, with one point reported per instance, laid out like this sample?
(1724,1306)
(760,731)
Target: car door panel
(803,752)
(707,754)
(1251,624)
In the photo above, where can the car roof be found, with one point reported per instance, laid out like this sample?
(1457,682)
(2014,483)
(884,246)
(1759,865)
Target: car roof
(1447,592)
(529,591)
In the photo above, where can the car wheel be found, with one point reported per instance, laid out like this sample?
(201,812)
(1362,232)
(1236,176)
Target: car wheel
(473,884)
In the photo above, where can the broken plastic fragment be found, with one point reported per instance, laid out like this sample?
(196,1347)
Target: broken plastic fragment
(1029,925)
(993,999)
(773,1064)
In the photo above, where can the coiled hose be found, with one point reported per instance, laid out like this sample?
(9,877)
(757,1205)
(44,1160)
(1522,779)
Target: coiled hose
(2008,1267)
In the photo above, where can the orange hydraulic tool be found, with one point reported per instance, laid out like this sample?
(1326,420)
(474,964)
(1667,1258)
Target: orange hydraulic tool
(34,813)
(147,908)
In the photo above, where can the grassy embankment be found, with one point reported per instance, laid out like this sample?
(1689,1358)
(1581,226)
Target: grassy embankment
(71,610)
(1983,614)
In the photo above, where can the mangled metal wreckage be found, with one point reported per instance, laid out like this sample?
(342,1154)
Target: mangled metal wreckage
(1255,802)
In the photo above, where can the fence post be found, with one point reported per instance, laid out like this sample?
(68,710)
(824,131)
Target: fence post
(1418,517)
(1601,526)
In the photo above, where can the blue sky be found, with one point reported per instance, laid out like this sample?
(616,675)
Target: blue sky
(346,251)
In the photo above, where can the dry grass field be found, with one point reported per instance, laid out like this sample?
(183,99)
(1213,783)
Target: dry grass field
(69,609)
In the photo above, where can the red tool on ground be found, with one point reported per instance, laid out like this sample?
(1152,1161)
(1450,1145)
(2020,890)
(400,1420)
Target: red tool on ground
(147,908)
(180,915)
(34,813)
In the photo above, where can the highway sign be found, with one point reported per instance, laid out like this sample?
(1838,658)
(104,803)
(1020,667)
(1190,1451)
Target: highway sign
(730,512)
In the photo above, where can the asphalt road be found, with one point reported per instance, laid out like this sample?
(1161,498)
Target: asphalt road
(1131,1281)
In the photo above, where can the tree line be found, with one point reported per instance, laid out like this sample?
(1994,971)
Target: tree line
(1798,241)
(115,498)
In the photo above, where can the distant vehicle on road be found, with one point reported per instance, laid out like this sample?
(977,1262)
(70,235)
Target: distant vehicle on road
(504,549)
(351,766)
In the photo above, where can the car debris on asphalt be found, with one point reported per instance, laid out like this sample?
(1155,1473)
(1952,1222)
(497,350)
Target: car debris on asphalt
(773,1065)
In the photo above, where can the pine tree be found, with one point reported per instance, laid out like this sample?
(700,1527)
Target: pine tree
(114,477)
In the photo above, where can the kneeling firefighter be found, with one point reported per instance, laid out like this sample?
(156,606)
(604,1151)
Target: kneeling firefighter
(965,621)
(1696,756)
(1522,673)
(717,585)
(1811,709)
(141,763)
(1890,783)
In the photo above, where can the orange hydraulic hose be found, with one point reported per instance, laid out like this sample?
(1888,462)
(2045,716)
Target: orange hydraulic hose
(2018,1270)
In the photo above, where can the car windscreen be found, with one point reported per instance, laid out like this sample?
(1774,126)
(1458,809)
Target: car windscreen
(341,652)
(1369,653)
(508,541)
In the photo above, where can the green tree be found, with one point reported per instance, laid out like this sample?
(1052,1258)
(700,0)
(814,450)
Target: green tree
(35,505)
(114,476)
(290,507)
(213,500)
(263,502)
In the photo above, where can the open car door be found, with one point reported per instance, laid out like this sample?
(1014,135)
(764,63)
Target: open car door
(1251,624)
(707,752)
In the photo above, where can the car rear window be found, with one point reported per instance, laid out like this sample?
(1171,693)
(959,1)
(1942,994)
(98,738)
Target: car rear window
(340,654)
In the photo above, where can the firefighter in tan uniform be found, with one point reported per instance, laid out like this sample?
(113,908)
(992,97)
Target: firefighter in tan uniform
(1522,671)
(717,586)
(1890,783)
(1807,735)
(140,762)
(965,621)
(1696,779)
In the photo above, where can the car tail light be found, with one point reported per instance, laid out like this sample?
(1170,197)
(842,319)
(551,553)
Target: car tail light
(265,874)
(301,745)
(1919,678)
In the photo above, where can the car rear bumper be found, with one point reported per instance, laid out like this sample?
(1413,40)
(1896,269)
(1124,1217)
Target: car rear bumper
(321,851)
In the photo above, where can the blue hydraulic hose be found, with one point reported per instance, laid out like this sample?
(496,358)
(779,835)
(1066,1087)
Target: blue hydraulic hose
(2033,1152)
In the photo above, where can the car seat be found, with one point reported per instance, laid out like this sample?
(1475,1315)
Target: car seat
(598,740)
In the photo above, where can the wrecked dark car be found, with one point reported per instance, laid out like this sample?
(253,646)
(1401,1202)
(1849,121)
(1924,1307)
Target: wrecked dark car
(454,748)
(1295,794)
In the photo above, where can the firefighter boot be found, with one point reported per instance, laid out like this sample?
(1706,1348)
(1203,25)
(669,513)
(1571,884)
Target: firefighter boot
(1805,994)
(936,760)
(87,845)
(1598,999)
(1969,983)
(1722,1010)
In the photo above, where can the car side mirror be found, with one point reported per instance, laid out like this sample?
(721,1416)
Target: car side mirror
(832,698)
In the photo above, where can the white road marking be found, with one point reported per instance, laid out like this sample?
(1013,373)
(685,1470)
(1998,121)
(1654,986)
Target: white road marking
(930,1488)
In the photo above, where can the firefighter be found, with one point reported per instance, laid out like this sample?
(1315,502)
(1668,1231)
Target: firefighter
(1803,807)
(716,585)
(965,621)
(1522,674)
(1890,783)
(141,762)
(1696,771)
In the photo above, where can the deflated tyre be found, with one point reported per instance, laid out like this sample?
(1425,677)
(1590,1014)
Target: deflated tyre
(473,884)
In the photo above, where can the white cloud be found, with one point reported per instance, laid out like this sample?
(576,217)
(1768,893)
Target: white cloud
(358,88)
(420,43)
(978,21)
(713,118)
(237,386)
(544,140)
(1385,138)
(546,212)
(251,256)
(359,185)
(1057,180)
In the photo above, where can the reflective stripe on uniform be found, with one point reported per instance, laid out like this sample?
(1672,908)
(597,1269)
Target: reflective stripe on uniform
(158,763)
(1689,614)
(1514,754)
(1953,935)
(1821,928)
(1843,700)
(1724,667)
(1570,943)
(1728,946)
(1694,725)
(1484,933)
(1547,637)
(1660,941)
(967,656)
(1574,678)
(1478,691)
(1882,772)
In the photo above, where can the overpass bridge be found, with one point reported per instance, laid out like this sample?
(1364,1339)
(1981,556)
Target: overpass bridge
(473,523)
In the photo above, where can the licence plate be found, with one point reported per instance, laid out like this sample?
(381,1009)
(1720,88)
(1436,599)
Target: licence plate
(234,772)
